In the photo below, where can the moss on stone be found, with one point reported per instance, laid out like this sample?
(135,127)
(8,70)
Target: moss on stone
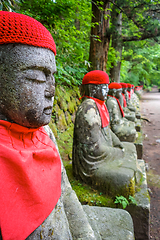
(71,106)
(61,124)
(53,127)
(68,117)
(63,105)
(86,194)
(65,141)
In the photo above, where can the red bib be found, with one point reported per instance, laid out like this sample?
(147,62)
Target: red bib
(121,110)
(103,111)
(129,95)
(30,170)
(124,100)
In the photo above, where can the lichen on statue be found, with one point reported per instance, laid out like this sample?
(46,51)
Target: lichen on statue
(37,200)
(99,158)
(123,128)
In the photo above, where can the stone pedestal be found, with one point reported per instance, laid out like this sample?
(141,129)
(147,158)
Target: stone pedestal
(141,212)
(138,125)
(110,224)
(139,145)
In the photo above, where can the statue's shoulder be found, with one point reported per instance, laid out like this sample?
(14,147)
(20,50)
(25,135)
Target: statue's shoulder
(111,102)
(87,114)
(87,104)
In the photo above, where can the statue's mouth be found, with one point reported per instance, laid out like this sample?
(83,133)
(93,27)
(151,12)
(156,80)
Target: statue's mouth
(47,110)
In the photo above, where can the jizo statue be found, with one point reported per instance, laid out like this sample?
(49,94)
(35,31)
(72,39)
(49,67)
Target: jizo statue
(123,128)
(37,201)
(100,159)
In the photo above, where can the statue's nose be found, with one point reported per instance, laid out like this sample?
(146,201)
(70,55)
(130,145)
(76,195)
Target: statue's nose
(50,91)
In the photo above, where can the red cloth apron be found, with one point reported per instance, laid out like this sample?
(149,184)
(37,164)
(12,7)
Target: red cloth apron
(129,95)
(121,110)
(30,170)
(124,100)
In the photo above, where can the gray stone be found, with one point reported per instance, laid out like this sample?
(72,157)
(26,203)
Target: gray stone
(124,129)
(139,145)
(110,224)
(141,212)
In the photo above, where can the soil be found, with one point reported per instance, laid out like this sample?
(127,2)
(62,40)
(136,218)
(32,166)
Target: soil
(150,110)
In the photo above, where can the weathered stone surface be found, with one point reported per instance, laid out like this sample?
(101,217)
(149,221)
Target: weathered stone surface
(139,145)
(110,224)
(141,212)
(124,129)
(138,125)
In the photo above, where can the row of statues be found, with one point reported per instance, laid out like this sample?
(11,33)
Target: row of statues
(37,201)
(104,155)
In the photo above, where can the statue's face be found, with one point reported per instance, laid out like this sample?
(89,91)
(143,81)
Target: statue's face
(100,91)
(27,85)
(129,89)
(124,90)
(118,93)
(112,92)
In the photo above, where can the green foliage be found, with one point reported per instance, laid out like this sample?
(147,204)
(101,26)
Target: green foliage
(140,63)
(69,22)
(122,201)
(8,5)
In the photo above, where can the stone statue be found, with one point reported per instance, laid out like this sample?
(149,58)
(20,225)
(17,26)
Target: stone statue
(130,115)
(138,90)
(37,200)
(100,159)
(132,100)
(123,128)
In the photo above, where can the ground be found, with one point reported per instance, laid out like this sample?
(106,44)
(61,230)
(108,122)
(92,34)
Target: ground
(150,110)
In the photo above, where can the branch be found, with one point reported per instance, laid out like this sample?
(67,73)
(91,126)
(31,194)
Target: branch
(143,37)
(128,16)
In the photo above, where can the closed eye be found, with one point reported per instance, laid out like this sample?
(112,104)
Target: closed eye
(35,75)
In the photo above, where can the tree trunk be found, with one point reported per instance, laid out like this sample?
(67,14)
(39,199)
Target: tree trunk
(99,42)
(116,44)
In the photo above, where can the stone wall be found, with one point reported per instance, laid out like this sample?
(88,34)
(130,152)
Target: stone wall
(63,115)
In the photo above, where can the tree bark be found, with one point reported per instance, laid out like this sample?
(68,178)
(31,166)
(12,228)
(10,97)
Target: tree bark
(116,44)
(99,42)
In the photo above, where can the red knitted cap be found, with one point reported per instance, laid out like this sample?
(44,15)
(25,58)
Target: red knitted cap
(115,85)
(129,85)
(96,77)
(124,85)
(19,28)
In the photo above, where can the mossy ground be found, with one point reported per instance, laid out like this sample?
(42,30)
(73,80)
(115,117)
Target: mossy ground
(86,194)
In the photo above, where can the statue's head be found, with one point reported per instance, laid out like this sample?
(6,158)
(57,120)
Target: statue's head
(124,87)
(129,87)
(115,89)
(27,67)
(95,84)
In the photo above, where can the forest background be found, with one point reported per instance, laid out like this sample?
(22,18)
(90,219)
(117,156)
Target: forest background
(120,37)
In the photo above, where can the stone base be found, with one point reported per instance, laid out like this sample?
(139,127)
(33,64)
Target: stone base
(138,125)
(139,145)
(141,212)
(110,224)
(138,115)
